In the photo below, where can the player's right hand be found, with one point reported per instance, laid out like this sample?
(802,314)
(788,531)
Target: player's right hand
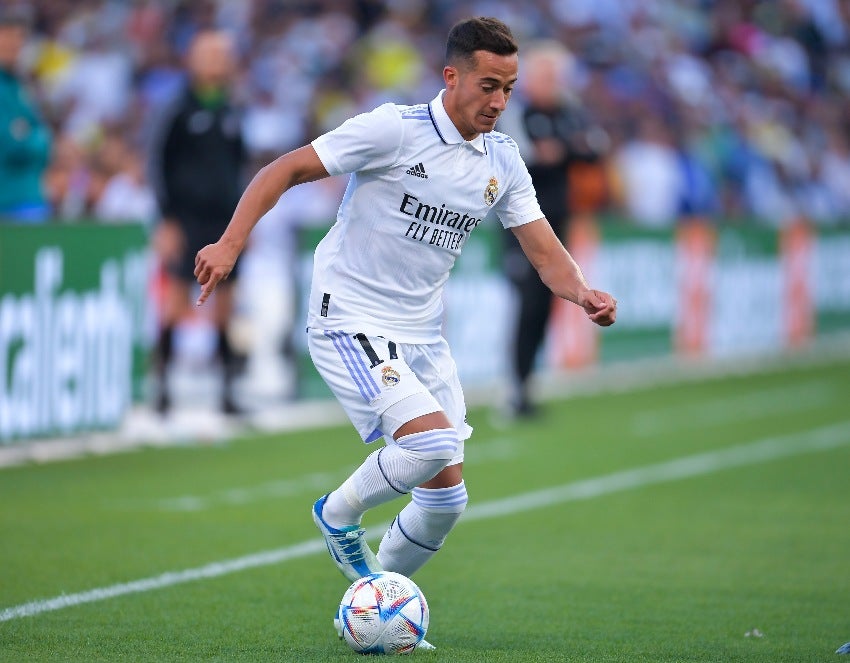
(600,307)
(213,264)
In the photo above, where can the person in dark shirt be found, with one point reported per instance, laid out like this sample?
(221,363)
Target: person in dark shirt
(556,135)
(198,164)
(25,139)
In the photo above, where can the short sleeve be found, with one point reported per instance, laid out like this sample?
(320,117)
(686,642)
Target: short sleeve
(519,205)
(366,141)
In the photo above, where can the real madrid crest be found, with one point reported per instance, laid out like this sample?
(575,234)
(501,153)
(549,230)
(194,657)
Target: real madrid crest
(390,376)
(491,191)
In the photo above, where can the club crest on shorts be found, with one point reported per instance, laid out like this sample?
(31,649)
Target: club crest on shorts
(491,191)
(390,376)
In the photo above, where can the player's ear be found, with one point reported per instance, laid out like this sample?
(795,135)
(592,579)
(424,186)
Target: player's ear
(450,76)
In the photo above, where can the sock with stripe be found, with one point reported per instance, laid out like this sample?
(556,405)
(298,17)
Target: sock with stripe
(389,473)
(419,531)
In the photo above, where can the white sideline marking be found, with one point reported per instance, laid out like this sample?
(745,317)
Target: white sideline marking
(269,490)
(760,451)
(499,449)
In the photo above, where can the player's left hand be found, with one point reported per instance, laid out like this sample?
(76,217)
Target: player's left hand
(600,307)
(213,264)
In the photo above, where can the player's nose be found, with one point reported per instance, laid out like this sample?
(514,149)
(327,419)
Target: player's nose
(498,101)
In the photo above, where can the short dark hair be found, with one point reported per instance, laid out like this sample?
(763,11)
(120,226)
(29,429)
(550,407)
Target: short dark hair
(481,33)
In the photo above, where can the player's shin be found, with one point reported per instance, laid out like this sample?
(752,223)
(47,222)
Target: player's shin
(419,531)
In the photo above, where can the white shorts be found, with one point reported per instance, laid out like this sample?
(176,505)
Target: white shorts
(383,385)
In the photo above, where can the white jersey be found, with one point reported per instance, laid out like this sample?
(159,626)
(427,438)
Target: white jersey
(416,192)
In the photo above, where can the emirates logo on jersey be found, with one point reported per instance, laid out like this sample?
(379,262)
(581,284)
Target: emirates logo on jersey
(491,191)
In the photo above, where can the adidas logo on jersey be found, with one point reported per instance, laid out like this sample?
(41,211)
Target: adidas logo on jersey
(418,170)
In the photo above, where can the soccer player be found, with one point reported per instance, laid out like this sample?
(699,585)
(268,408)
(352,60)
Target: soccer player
(422,179)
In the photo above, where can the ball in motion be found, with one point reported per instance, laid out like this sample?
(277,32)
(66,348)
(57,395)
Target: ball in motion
(383,613)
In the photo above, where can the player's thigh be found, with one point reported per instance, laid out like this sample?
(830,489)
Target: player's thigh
(371,379)
(435,367)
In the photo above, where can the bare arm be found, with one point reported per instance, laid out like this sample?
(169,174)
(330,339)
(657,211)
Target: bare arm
(561,274)
(214,262)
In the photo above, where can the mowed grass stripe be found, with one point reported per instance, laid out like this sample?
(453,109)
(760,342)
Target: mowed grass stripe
(499,449)
(735,408)
(760,451)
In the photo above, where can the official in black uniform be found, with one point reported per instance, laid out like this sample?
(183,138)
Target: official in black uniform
(198,164)
(556,134)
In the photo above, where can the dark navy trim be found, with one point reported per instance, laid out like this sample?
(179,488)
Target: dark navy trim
(384,474)
(411,539)
(436,128)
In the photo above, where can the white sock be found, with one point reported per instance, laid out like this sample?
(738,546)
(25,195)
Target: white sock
(419,531)
(366,487)
(388,473)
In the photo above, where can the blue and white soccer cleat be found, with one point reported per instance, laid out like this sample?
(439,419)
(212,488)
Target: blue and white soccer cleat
(843,649)
(347,546)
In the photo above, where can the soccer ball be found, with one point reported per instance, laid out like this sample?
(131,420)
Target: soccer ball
(383,613)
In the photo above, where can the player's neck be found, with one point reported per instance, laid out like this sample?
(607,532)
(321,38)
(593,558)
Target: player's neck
(455,117)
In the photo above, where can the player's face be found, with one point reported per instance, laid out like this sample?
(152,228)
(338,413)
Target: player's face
(476,96)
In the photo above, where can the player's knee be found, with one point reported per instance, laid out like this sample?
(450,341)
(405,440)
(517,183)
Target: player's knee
(439,444)
(419,457)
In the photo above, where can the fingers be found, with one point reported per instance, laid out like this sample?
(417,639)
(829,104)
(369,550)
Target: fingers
(606,309)
(209,279)
(605,319)
(594,300)
(207,276)
(206,291)
(202,272)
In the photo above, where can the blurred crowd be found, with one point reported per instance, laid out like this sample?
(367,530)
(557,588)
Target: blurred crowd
(732,110)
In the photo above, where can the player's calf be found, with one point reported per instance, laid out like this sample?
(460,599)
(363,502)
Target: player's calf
(420,530)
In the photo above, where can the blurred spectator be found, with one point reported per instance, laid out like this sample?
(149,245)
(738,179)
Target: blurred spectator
(24,136)
(68,179)
(198,166)
(727,109)
(554,133)
(124,194)
(272,258)
(735,89)
(649,171)
(834,173)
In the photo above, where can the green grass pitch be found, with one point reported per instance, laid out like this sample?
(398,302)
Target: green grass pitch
(657,524)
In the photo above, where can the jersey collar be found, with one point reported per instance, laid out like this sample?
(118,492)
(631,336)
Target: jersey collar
(446,129)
